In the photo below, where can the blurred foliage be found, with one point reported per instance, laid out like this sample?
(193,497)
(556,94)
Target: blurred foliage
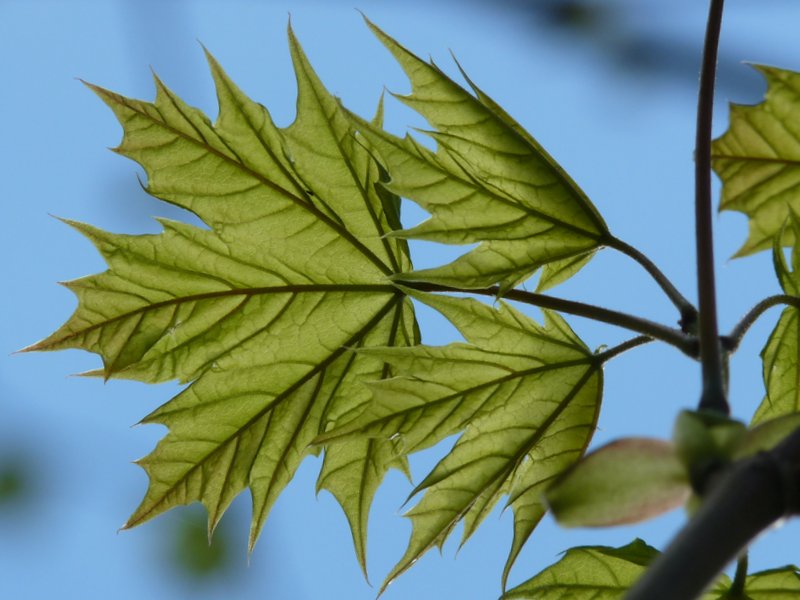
(191,553)
(13,482)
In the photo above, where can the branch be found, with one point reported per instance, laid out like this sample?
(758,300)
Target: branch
(685,343)
(734,338)
(744,501)
(686,308)
(714,397)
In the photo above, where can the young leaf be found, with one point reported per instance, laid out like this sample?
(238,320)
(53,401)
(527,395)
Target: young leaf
(262,311)
(488,182)
(758,160)
(596,492)
(526,397)
(593,573)
(781,355)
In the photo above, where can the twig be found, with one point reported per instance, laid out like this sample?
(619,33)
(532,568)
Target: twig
(714,397)
(688,311)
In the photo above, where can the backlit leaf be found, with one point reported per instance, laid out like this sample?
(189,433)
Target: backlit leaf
(489,181)
(781,355)
(526,397)
(261,312)
(758,160)
(775,584)
(595,573)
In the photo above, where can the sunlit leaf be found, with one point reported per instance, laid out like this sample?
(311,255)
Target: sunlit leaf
(526,397)
(781,355)
(623,482)
(489,181)
(596,573)
(262,311)
(758,160)
(559,271)
(775,584)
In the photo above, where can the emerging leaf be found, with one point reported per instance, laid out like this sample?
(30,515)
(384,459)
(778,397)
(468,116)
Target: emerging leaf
(526,397)
(262,311)
(704,436)
(758,160)
(489,181)
(623,482)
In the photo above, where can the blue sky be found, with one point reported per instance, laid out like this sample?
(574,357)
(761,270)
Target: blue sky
(624,134)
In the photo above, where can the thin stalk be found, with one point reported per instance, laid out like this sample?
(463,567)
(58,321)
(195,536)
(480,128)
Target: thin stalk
(740,578)
(615,351)
(675,337)
(686,308)
(713,397)
(734,338)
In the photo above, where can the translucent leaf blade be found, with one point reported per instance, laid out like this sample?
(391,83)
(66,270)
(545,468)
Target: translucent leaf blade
(781,354)
(758,159)
(595,573)
(525,396)
(484,159)
(261,312)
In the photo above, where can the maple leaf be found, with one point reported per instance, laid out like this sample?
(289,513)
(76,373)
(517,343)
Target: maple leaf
(606,573)
(526,397)
(781,354)
(262,311)
(758,160)
(489,182)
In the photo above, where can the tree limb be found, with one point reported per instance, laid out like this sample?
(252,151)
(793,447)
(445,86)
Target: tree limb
(745,500)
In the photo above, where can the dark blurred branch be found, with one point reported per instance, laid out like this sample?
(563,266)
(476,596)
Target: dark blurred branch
(744,501)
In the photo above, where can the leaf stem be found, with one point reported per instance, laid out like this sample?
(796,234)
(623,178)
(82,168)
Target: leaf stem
(688,311)
(685,343)
(734,338)
(713,396)
(615,351)
(739,579)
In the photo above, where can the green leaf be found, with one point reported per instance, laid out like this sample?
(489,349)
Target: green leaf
(526,397)
(489,181)
(781,367)
(262,311)
(775,584)
(758,160)
(594,573)
(766,435)
(596,492)
(781,354)
(559,271)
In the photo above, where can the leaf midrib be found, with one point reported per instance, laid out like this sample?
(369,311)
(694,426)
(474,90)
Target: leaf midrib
(285,289)
(318,369)
(337,227)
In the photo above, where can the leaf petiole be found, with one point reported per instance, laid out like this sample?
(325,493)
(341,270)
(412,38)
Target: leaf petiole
(683,342)
(734,338)
(688,312)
